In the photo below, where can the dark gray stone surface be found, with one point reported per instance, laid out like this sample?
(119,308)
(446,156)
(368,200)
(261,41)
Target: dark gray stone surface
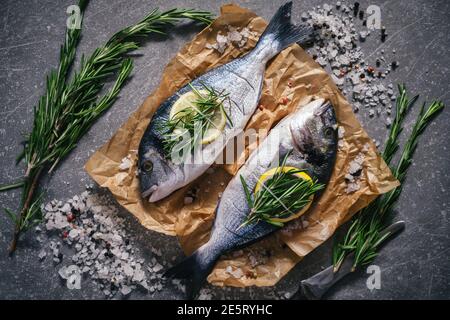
(415,265)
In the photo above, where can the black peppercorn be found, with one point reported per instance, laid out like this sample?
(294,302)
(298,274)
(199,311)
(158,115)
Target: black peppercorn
(355,9)
(383,33)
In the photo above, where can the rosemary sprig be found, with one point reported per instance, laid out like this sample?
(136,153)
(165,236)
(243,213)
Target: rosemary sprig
(402,106)
(189,125)
(366,231)
(280,196)
(69,108)
(56,82)
(59,120)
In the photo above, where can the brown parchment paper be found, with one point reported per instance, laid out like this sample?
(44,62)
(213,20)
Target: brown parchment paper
(291,74)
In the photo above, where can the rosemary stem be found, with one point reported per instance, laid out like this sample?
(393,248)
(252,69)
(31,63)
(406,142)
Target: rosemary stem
(30,191)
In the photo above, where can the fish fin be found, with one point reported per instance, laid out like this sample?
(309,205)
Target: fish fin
(195,268)
(284,33)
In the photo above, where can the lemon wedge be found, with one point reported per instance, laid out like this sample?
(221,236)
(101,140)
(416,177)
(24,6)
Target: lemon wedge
(301,175)
(218,121)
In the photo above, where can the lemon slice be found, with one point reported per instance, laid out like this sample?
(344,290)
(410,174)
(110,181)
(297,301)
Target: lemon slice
(184,101)
(218,121)
(300,175)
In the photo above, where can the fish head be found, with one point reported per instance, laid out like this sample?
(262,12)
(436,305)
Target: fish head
(314,132)
(155,173)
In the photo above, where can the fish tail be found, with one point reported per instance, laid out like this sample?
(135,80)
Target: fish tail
(196,268)
(280,33)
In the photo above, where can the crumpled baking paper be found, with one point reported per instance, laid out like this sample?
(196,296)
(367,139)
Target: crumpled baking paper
(292,74)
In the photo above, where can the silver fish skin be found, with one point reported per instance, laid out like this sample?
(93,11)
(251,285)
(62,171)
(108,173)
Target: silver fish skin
(308,138)
(242,79)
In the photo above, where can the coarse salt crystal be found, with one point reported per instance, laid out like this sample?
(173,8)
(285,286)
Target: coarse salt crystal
(188,200)
(125,163)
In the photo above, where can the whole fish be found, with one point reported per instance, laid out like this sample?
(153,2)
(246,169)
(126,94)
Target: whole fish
(242,80)
(305,139)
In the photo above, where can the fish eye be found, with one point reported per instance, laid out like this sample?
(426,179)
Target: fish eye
(329,132)
(148,166)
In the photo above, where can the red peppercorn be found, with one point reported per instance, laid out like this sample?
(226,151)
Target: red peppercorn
(260,107)
(65,234)
(70,217)
(370,69)
(284,101)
